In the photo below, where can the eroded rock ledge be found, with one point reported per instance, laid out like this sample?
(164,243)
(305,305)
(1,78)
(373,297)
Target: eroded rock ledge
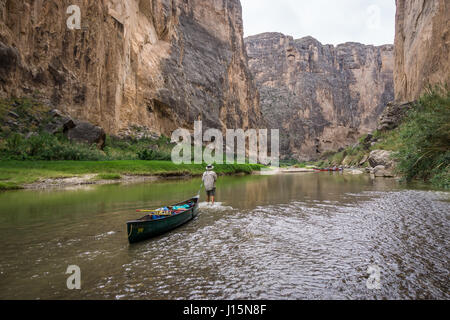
(153,64)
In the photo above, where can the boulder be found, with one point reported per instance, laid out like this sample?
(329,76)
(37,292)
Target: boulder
(87,133)
(59,122)
(380,157)
(377,169)
(382,172)
(354,171)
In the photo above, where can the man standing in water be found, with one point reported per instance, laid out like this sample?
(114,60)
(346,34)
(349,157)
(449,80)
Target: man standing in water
(209,180)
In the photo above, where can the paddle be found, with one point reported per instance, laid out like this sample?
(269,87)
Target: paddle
(201,186)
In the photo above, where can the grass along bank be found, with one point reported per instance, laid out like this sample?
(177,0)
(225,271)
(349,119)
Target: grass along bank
(18,174)
(32,130)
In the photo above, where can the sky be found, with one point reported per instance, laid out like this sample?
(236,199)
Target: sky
(329,21)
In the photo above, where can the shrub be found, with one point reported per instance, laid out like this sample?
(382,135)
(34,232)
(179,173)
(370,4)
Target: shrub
(424,139)
(45,146)
(149,154)
(338,158)
(15,145)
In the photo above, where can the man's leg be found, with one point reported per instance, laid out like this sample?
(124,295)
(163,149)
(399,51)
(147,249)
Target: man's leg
(213,195)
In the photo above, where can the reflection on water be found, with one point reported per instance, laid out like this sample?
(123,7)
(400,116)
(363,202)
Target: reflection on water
(299,236)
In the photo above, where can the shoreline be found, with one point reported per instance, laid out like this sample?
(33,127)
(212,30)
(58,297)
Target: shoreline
(89,180)
(44,175)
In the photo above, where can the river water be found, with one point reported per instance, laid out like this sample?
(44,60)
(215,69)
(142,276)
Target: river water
(291,236)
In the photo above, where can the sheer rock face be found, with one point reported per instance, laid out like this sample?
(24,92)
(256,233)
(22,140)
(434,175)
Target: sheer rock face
(321,97)
(155,65)
(422,46)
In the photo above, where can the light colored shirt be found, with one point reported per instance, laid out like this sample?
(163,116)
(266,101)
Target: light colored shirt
(209,180)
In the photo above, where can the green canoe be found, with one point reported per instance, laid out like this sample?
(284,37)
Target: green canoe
(148,227)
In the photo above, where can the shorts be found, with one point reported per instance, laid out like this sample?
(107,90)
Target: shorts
(211,193)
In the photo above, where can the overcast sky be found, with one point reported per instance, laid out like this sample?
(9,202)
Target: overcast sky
(329,21)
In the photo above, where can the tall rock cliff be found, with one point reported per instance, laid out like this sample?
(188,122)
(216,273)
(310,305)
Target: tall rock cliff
(321,97)
(152,65)
(422,46)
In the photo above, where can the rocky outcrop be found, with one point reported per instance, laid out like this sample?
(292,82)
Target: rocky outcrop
(322,97)
(382,172)
(393,115)
(381,158)
(75,130)
(422,46)
(155,65)
(58,123)
(85,132)
(381,164)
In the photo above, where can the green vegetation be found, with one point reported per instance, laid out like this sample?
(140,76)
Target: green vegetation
(351,156)
(138,149)
(9,186)
(108,176)
(45,146)
(387,140)
(288,163)
(423,140)
(23,136)
(149,154)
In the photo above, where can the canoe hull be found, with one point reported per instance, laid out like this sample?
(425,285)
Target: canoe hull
(140,230)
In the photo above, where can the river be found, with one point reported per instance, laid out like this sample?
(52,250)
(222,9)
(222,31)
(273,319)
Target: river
(291,236)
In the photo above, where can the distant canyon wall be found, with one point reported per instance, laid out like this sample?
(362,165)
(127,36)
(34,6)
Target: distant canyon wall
(322,97)
(152,65)
(422,46)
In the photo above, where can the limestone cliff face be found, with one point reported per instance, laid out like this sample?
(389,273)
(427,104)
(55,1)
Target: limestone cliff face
(152,65)
(321,97)
(422,46)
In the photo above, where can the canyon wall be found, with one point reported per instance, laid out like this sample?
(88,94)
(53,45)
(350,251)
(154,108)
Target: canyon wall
(135,65)
(422,46)
(322,97)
